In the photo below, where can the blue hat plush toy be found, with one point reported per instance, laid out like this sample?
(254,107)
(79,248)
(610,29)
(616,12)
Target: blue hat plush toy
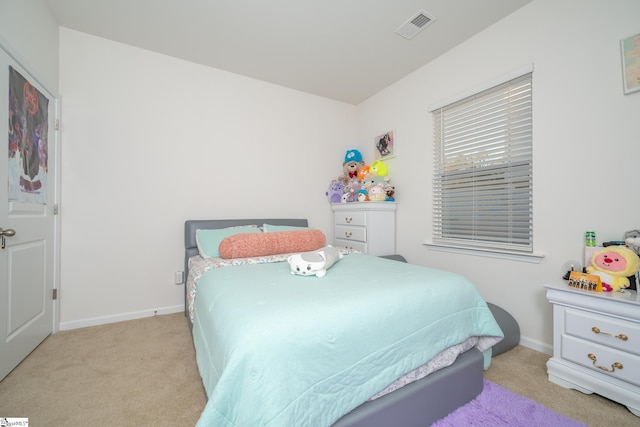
(352,162)
(353,156)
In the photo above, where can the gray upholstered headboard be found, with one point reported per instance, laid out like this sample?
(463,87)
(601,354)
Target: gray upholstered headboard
(190,227)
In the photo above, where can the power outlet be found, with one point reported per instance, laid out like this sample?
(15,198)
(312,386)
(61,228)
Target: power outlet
(179,277)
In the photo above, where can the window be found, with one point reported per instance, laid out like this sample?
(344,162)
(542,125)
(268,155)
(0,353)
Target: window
(482,196)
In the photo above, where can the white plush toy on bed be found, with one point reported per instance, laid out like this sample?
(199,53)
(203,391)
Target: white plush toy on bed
(315,262)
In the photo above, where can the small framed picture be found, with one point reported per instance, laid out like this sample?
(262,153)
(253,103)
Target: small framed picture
(631,63)
(385,145)
(586,282)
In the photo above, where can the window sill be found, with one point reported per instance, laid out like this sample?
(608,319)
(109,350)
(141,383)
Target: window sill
(508,255)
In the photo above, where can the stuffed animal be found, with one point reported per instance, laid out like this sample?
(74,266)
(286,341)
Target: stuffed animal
(363,196)
(335,192)
(633,243)
(362,172)
(367,181)
(376,193)
(632,239)
(351,192)
(352,162)
(614,264)
(314,263)
(379,168)
(390,191)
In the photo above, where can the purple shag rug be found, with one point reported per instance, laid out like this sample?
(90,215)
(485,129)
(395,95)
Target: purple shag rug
(497,406)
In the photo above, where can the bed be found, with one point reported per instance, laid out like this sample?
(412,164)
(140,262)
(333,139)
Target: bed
(364,351)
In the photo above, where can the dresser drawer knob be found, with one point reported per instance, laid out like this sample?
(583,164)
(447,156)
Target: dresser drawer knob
(347,234)
(614,365)
(348,220)
(622,337)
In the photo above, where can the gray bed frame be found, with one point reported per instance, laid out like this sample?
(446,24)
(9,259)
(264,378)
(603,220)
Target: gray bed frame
(417,404)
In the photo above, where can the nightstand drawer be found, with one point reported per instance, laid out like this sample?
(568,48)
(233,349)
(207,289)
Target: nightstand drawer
(358,234)
(359,246)
(350,218)
(602,359)
(607,331)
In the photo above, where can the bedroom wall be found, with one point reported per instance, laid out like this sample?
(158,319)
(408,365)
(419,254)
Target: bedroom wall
(150,141)
(145,148)
(36,44)
(586,146)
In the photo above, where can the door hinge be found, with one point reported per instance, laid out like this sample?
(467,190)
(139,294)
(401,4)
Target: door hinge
(55,294)
(56,126)
(56,209)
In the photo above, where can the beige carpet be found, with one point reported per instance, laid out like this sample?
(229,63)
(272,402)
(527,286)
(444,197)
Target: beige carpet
(143,373)
(524,371)
(136,373)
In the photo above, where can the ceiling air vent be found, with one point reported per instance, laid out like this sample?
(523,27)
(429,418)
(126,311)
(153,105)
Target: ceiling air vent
(418,22)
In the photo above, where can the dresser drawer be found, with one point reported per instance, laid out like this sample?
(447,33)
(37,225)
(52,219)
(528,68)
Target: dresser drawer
(602,359)
(607,331)
(368,227)
(351,218)
(359,246)
(357,234)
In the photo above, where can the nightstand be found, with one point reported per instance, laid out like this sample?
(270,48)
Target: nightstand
(596,343)
(369,227)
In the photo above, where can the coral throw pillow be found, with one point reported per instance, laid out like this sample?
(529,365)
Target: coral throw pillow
(246,245)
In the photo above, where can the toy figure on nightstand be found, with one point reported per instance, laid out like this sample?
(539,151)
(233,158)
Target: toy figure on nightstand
(614,264)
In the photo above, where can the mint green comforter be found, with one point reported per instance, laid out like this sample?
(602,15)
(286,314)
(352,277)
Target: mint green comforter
(276,349)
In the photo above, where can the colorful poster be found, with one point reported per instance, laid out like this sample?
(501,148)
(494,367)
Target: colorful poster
(631,63)
(28,143)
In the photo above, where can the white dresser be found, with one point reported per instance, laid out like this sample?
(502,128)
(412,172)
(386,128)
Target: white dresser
(596,343)
(369,227)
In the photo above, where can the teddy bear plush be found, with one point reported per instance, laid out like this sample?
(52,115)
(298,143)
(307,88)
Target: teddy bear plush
(314,263)
(614,264)
(352,162)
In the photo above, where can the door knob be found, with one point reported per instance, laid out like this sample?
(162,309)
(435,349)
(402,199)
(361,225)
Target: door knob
(8,232)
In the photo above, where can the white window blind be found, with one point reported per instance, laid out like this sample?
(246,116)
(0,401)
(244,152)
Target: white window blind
(482,195)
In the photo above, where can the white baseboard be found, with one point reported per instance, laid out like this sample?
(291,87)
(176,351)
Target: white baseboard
(103,320)
(536,345)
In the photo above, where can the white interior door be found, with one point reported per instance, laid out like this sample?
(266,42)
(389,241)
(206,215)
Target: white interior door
(28,258)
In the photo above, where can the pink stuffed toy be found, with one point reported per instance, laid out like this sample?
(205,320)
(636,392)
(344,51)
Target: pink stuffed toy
(614,264)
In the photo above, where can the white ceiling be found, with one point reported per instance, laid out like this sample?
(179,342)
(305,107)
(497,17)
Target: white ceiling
(341,49)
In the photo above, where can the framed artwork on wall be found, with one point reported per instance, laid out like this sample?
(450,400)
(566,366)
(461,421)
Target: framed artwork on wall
(631,63)
(385,145)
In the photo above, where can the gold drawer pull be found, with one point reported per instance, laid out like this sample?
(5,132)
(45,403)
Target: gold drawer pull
(614,365)
(347,234)
(622,337)
(348,220)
